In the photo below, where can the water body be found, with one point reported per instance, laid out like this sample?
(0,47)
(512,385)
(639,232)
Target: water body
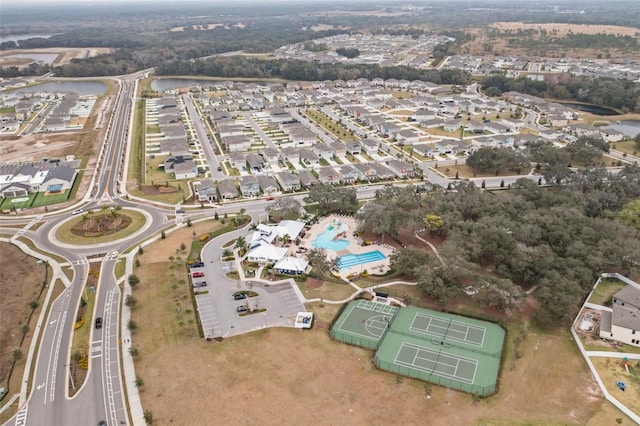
(593,109)
(176,83)
(17,38)
(80,87)
(630,128)
(42,57)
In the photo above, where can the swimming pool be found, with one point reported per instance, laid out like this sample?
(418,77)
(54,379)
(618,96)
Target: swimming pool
(349,260)
(326,239)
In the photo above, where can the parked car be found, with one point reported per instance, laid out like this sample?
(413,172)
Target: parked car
(197,265)
(242,308)
(240,296)
(270,198)
(200,284)
(198,274)
(99,322)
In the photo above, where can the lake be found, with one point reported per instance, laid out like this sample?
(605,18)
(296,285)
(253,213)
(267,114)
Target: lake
(42,57)
(17,38)
(176,83)
(80,87)
(630,128)
(593,109)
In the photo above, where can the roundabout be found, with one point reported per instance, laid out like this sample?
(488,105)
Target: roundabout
(101,227)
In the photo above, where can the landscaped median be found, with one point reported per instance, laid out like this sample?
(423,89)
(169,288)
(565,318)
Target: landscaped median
(101,226)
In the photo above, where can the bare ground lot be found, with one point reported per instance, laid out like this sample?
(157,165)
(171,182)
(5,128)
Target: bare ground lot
(65,55)
(20,283)
(250,378)
(484,43)
(564,29)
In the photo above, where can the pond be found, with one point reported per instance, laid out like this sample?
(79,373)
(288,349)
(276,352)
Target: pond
(593,109)
(42,57)
(176,83)
(17,38)
(630,128)
(80,87)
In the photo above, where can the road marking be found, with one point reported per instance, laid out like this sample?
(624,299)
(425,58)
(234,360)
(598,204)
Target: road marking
(40,386)
(21,417)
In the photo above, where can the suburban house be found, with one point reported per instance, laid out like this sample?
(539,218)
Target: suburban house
(237,160)
(227,189)
(183,167)
(366,171)
(255,162)
(249,186)
(339,149)
(290,154)
(370,145)
(59,179)
(327,175)
(323,151)
(307,179)
(268,185)
(401,168)
(288,181)
(207,190)
(348,174)
(354,147)
(622,323)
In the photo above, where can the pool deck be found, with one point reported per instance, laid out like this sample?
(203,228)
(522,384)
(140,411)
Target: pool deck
(355,247)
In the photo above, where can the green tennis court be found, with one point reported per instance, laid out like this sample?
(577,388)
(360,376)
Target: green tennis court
(450,350)
(437,362)
(450,329)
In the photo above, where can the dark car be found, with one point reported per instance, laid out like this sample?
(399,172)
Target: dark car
(239,296)
(197,265)
(98,322)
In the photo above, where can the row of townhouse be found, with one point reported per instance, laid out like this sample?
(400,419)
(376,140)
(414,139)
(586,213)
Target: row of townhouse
(20,180)
(286,181)
(587,130)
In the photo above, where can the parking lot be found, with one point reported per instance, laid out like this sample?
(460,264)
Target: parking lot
(218,309)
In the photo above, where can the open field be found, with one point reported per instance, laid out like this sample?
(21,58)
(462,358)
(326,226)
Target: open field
(605,289)
(324,382)
(563,29)
(20,284)
(10,58)
(611,370)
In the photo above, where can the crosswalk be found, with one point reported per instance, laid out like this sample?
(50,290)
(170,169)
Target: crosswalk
(21,417)
(28,226)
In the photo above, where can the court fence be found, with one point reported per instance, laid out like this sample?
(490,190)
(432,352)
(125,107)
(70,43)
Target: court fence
(433,378)
(353,340)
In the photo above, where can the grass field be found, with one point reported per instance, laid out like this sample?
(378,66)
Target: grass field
(611,370)
(605,289)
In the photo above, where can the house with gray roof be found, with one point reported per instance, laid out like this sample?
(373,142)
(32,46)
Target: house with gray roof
(328,175)
(207,190)
(227,189)
(268,184)
(249,186)
(288,181)
(622,323)
(59,179)
(307,179)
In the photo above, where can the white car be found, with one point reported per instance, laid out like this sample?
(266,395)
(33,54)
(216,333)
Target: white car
(114,254)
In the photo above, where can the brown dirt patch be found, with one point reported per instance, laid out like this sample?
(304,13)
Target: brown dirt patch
(313,283)
(20,283)
(564,29)
(158,189)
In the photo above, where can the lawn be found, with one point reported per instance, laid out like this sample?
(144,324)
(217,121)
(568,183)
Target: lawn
(17,203)
(611,370)
(45,200)
(328,289)
(629,147)
(64,232)
(81,336)
(137,156)
(604,290)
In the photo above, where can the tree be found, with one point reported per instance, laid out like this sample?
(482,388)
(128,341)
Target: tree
(433,223)
(139,382)
(130,301)
(16,354)
(637,140)
(132,325)
(407,261)
(133,280)
(140,250)
(183,247)
(163,235)
(318,260)
(241,242)
(134,352)
(331,199)
(148,417)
